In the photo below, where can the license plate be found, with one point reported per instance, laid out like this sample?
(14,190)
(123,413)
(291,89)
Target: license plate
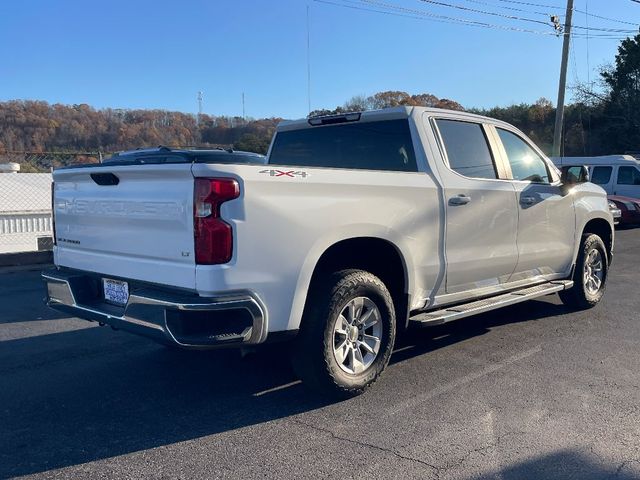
(115,291)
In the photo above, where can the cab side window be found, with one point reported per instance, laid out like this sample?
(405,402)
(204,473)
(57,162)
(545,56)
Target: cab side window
(525,163)
(467,149)
(601,175)
(628,176)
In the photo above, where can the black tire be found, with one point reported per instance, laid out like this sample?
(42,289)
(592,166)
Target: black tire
(580,296)
(313,356)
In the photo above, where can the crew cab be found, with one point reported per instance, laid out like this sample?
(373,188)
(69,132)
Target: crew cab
(358,226)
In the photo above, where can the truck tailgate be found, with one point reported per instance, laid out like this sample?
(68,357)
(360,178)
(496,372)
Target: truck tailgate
(131,221)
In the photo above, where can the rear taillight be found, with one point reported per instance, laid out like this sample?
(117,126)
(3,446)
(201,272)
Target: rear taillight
(213,236)
(53,212)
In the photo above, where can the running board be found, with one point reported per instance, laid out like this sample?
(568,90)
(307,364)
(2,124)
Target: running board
(456,312)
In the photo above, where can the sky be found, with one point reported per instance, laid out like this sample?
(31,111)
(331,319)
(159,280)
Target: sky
(159,54)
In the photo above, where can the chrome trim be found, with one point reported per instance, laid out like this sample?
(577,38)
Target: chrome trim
(145,312)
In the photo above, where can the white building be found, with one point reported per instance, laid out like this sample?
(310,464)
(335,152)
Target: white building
(25,211)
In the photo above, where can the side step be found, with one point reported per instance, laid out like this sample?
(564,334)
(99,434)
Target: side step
(455,312)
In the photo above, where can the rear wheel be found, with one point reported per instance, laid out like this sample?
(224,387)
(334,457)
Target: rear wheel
(347,334)
(590,275)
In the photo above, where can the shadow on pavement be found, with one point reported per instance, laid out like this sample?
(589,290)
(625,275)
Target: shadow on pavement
(563,465)
(423,340)
(78,396)
(22,297)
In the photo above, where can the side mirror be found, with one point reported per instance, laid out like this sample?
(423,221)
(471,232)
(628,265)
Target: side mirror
(573,175)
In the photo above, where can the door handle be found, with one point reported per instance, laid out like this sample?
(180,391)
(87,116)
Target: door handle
(527,200)
(459,200)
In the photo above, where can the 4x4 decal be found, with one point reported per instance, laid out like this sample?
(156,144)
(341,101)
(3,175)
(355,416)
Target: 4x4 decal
(285,173)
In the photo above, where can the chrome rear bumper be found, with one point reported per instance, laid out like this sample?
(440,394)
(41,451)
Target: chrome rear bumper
(171,317)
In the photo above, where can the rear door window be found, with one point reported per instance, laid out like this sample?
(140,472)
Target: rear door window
(383,145)
(467,149)
(601,175)
(628,176)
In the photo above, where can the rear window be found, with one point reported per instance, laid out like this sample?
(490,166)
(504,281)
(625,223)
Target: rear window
(384,145)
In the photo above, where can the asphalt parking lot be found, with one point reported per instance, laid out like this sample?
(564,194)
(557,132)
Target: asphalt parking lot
(530,392)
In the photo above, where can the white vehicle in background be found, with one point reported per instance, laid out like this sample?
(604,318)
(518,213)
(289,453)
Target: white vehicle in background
(616,174)
(358,226)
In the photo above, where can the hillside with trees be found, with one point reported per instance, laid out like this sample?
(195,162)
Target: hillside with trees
(38,127)
(604,120)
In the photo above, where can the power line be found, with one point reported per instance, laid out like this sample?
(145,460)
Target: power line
(579,35)
(420,15)
(518,9)
(512,17)
(515,9)
(574,62)
(617,20)
(613,30)
(450,19)
(383,8)
(576,79)
(586,17)
(589,85)
(395,14)
(484,12)
(534,4)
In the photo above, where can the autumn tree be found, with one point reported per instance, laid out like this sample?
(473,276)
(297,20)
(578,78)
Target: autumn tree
(391,98)
(622,105)
(35,126)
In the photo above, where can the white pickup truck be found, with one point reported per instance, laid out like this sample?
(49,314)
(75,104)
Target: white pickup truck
(357,226)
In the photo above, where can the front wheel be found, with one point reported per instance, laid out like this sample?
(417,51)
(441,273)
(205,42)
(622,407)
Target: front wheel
(347,334)
(590,275)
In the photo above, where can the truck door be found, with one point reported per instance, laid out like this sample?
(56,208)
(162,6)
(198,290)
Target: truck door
(546,223)
(481,211)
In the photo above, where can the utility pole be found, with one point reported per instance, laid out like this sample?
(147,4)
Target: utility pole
(244,117)
(557,134)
